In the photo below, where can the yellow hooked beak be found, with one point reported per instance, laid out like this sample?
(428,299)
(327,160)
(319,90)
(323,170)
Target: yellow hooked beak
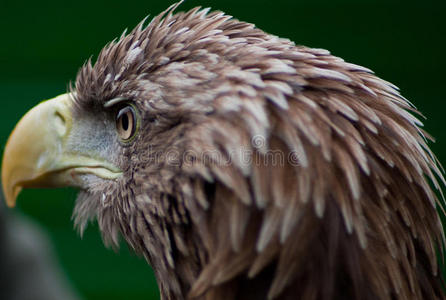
(38,154)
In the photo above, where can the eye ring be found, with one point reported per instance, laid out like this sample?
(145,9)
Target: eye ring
(127,123)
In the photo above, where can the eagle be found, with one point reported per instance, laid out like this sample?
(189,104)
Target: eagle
(241,165)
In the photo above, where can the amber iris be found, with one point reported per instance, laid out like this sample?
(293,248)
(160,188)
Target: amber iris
(126,123)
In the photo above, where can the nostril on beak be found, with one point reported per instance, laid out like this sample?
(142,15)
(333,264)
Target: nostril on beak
(60,123)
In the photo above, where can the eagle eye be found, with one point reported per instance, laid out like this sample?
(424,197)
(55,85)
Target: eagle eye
(126,123)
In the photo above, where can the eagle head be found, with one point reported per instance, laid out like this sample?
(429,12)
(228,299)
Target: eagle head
(240,165)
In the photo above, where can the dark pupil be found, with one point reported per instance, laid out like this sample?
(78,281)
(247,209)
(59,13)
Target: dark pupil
(125,122)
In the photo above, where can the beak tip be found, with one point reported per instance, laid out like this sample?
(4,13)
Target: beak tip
(10,193)
(10,204)
(10,190)
(11,196)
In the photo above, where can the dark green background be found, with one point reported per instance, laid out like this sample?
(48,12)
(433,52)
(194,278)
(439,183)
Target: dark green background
(43,43)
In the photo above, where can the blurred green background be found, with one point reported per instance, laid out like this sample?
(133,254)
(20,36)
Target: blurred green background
(43,43)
